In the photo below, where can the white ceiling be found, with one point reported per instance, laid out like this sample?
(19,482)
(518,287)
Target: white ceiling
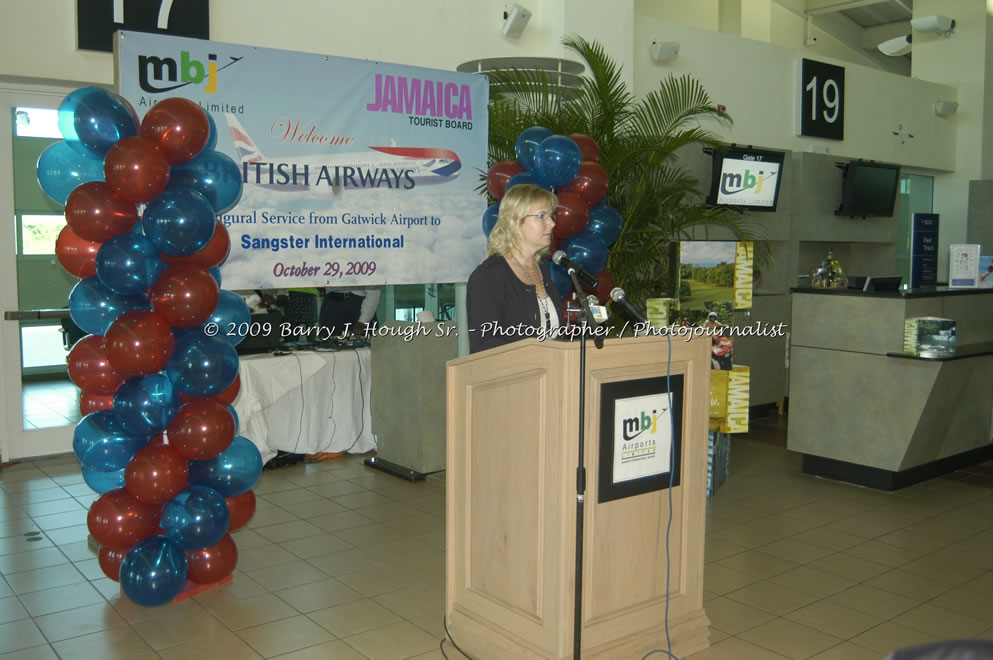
(862,24)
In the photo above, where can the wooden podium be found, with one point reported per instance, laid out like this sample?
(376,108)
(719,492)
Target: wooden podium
(513,423)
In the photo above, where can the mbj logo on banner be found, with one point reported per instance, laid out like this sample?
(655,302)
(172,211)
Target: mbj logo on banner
(355,172)
(642,437)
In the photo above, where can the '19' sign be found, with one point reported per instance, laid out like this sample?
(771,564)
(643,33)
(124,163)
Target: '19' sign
(822,100)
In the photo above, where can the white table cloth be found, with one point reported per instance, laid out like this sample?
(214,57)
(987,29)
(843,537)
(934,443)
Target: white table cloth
(307,402)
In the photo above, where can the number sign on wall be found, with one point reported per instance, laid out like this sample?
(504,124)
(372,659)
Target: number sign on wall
(822,100)
(97,20)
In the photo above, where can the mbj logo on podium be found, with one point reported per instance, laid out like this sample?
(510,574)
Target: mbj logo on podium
(642,436)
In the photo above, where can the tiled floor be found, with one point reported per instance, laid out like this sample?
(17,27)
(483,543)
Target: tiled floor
(50,403)
(345,562)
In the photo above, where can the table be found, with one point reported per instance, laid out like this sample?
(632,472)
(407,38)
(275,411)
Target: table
(307,402)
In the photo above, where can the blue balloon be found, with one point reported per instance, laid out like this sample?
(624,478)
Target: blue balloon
(61,170)
(212,174)
(490,216)
(196,518)
(231,312)
(129,264)
(202,366)
(557,160)
(561,279)
(147,404)
(234,414)
(179,221)
(93,119)
(231,473)
(153,571)
(101,482)
(527,145)
(101,442)
(605,222)
(93,307)
(525,177)
(212,136)
(215,272)
(588,250)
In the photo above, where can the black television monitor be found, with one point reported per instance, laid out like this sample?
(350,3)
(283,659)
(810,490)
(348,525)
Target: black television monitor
(882,283)
(746,178)
(869,189)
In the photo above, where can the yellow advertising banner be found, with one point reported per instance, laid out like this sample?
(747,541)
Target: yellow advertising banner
(743,255)
(729,397)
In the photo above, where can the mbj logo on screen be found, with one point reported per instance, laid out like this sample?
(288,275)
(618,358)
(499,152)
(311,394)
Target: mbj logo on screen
(187,71)
(743,181)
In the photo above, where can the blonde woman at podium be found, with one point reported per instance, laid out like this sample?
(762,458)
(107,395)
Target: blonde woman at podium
(510,296)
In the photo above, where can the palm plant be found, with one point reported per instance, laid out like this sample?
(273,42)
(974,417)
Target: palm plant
(639,141)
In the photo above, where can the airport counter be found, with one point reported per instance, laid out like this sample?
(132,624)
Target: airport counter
(862,411)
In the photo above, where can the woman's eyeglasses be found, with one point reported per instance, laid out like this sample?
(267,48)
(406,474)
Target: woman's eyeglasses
(542,216)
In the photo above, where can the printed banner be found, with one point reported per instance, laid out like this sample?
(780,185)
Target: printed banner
(356,172)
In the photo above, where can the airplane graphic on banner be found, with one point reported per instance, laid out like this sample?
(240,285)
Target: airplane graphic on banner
(394,167)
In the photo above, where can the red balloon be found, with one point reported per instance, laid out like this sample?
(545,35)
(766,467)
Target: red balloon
(242,508)
(77,255)
(95,213)
(184,295)
(226,397)
(136,169)
(118,521)
(214,253)
(201,430)
(212,564)
(179,126)
(110,562)
(499,175)
(90,369)
(571,215)
(139,342)
(93,402)
(587,146)
(590,183)
(605,284)
(156,474)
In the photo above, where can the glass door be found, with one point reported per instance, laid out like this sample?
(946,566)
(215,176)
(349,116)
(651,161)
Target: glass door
(38,404)
(916,196)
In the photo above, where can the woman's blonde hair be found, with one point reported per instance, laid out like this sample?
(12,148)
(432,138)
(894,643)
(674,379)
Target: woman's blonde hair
(514,207)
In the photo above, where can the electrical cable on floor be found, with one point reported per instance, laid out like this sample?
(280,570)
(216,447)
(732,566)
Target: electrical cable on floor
(451,640)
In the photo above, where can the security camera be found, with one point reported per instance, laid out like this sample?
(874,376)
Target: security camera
(515,21)
(664,52)
(896,47)
(932,24)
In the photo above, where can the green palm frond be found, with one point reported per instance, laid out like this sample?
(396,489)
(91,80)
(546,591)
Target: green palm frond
(640,142)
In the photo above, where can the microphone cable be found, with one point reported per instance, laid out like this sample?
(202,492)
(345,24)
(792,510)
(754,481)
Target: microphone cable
(672,450)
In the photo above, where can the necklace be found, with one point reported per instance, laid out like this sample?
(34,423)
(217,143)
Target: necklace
(541,301)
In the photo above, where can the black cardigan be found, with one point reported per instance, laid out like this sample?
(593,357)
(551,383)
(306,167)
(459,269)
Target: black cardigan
(496,295)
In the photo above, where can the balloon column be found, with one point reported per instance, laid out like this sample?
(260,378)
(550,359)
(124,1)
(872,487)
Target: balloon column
(586,226)
(158,440)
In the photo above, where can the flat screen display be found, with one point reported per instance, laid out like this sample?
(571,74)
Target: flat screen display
(746,178)
(869,189)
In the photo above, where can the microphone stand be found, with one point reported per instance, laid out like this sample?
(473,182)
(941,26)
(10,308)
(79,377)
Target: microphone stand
(577,628)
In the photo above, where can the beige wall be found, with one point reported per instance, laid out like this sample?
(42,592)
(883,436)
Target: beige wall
(756,80)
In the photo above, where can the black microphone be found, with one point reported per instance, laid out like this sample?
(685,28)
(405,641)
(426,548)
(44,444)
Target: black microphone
(574,268)
(618,296)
